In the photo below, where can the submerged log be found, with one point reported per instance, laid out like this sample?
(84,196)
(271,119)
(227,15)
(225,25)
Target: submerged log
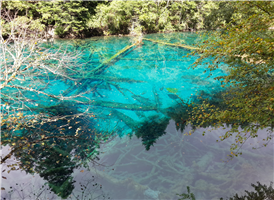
(98,78)
(157,100)
(108,61)
(94,78)
(156,59)
(116,79)
(170,44)
(116,105)
(141,99)
(126,119)
(85,80)
(115,184)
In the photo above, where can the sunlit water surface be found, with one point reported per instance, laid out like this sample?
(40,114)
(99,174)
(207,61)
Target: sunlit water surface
(160,161)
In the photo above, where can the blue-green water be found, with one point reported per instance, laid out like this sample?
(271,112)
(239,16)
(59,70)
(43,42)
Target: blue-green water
(145,76)
(142,94)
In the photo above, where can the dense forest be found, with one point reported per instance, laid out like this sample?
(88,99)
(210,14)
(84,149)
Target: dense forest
(89,18)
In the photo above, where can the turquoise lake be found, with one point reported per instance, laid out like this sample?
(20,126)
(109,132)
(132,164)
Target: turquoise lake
(140,98)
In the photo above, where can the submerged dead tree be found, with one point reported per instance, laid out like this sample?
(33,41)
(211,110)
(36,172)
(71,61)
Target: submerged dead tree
(33,72)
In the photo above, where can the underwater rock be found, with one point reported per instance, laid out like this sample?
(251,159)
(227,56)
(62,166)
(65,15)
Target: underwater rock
(151,193)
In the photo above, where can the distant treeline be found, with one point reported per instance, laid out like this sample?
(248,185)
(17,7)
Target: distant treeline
(78,19)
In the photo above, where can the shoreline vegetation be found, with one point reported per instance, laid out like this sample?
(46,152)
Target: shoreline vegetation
(85,19)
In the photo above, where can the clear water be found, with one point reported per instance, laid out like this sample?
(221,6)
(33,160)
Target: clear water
(151,157)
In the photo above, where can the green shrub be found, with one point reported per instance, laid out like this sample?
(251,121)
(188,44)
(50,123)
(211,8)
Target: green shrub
(262,192)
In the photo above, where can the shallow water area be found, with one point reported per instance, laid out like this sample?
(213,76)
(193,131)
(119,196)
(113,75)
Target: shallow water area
(140,96)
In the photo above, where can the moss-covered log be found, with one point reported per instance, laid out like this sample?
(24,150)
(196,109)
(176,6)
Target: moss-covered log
(170,44)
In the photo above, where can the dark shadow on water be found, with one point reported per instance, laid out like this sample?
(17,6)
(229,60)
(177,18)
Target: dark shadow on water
(150,131)
(53,150)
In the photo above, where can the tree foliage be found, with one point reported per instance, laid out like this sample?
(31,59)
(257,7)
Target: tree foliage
(120,17)
(262,192)
(67,18)
(87,18)
(245,49)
